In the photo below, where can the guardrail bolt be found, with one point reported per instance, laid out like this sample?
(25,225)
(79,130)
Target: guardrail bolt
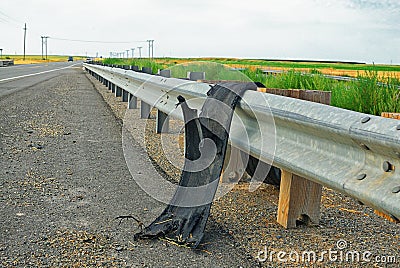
(365,147)
(232,175)
(387,166)
(396,190)
(361,177)
(365,119)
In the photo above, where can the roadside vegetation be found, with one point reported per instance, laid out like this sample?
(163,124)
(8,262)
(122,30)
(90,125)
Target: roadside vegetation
(376,89)
(370,93)
(137,62)
(31,59)
(250,63)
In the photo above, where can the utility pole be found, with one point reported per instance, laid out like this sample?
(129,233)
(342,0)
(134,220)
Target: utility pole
(151,48)
(24,39)
(1,53)
(45,42)
(133,52)
(140,52)
(43,37)
(42,46)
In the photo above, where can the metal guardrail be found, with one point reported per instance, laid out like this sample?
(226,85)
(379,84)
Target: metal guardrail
(350,152)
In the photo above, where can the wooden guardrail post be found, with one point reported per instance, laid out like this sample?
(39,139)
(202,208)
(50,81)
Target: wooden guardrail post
(132,100)
(118,91)
(194,76)
(144,107)
(162,120)
(125,95)
(235,167)
(165,73)
(299,198)
(391,115)
(299,201)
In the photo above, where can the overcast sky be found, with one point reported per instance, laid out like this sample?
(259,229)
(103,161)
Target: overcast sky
(352,30)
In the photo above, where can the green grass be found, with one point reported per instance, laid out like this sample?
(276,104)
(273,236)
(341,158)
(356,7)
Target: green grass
(366,95)
(296,65)
(371,93)
(213,71)
(136,62)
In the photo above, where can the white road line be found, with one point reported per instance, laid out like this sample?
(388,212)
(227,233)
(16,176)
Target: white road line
(44,72)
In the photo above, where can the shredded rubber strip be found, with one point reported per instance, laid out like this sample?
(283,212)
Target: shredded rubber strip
(185,224)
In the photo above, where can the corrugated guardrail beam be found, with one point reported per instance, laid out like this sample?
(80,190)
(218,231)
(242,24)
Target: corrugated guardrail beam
(350,152)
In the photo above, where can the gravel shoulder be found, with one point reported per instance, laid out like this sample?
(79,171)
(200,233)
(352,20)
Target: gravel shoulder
(250,218)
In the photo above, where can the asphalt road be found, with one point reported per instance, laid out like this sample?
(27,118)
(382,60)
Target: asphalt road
(64,180)
(17,77)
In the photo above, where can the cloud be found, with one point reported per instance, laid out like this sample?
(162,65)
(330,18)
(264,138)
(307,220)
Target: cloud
(391,5)
(362,30)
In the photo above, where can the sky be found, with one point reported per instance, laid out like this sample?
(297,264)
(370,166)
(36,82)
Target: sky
(341,30)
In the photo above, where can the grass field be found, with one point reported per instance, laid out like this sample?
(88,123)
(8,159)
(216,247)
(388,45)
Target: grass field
(331,68)
(30,59)
(375,91)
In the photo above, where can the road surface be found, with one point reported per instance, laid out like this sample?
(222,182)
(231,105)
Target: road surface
(16,77)
(64,180)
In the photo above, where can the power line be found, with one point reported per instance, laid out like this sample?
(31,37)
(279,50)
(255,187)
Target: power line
(7,18)
(3,20)
(96,41)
